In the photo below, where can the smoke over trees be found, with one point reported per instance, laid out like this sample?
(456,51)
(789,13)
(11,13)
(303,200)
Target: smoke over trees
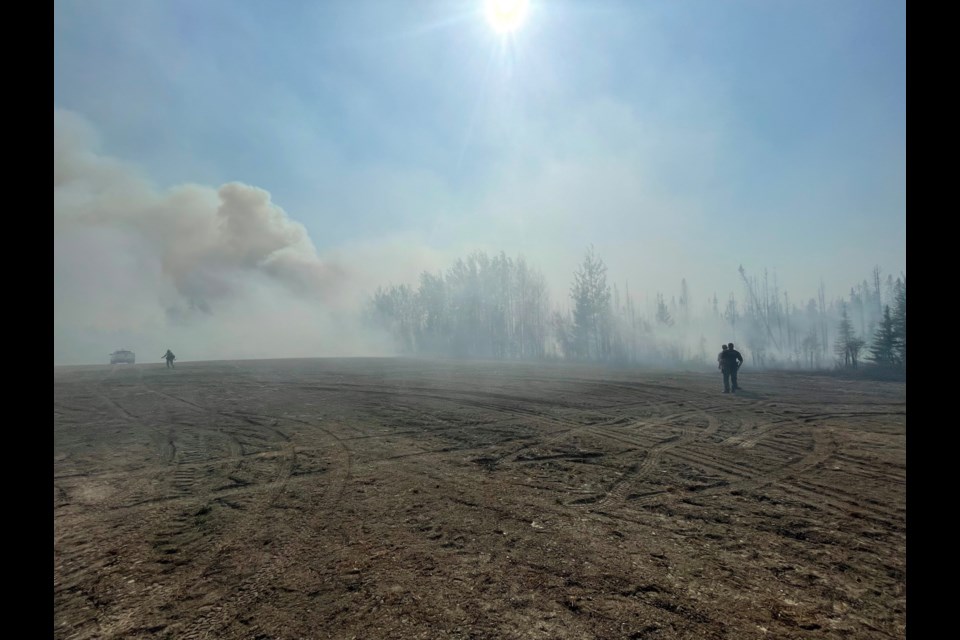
(217,270)
(848,345)
(481,308)
(592,313)
(212,270)
(499,307)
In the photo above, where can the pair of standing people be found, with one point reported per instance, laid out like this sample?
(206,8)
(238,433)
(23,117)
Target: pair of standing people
(729,361)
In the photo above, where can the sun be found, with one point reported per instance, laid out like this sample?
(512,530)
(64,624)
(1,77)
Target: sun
(506,15)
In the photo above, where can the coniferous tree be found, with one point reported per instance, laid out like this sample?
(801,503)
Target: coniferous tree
(844,334)
(883,350)
(899,317)
(591,313)
(663,314)
(847,345)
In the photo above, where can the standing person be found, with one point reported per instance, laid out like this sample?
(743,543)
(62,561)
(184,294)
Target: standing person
(735,361)
(723,363)
(169,357)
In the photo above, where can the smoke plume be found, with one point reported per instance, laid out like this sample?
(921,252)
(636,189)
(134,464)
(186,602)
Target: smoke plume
(210,272)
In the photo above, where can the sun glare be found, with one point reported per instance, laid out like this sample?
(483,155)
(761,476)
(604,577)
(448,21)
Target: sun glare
(506,15)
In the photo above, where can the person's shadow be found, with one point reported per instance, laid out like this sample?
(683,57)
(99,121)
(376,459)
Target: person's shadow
(752,395)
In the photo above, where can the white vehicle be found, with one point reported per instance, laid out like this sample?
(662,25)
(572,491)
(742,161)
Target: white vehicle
(122,357)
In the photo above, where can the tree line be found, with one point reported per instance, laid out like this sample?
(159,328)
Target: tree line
(499,307)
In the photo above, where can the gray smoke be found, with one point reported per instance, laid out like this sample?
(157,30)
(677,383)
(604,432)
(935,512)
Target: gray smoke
(205,239)
(224,272)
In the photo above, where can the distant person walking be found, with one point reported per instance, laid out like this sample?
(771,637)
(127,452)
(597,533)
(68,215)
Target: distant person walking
(734,360)
(720,356)
(169,357)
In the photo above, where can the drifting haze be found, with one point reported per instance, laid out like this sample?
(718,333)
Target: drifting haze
(680,139)
(215,272)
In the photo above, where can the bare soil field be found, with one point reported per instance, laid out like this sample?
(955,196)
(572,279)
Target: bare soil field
(392,498)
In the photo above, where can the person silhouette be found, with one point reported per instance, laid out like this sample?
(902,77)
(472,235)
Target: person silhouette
(723,363)
(735,359)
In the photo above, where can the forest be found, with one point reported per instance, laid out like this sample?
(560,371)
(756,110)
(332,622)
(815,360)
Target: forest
(498,307)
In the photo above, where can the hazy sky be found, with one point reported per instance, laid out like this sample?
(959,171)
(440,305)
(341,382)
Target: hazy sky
(207,151)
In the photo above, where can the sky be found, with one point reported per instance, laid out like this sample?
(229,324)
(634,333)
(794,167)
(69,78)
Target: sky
(237,177)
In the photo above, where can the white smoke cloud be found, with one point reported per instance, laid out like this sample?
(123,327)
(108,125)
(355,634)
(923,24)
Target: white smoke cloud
(223,272)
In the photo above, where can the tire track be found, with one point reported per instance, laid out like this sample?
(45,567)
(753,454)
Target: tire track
(823,445)
(598,430)
(616,494)
(267,571)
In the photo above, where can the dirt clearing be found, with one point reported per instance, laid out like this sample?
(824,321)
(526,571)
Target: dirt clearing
(367,498)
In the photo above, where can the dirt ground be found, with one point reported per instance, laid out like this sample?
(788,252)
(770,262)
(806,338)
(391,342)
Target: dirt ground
(368,498)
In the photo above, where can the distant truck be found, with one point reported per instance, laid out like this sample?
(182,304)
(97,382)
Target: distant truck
(123,357)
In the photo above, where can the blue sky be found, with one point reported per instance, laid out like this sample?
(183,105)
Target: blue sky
(681,139)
